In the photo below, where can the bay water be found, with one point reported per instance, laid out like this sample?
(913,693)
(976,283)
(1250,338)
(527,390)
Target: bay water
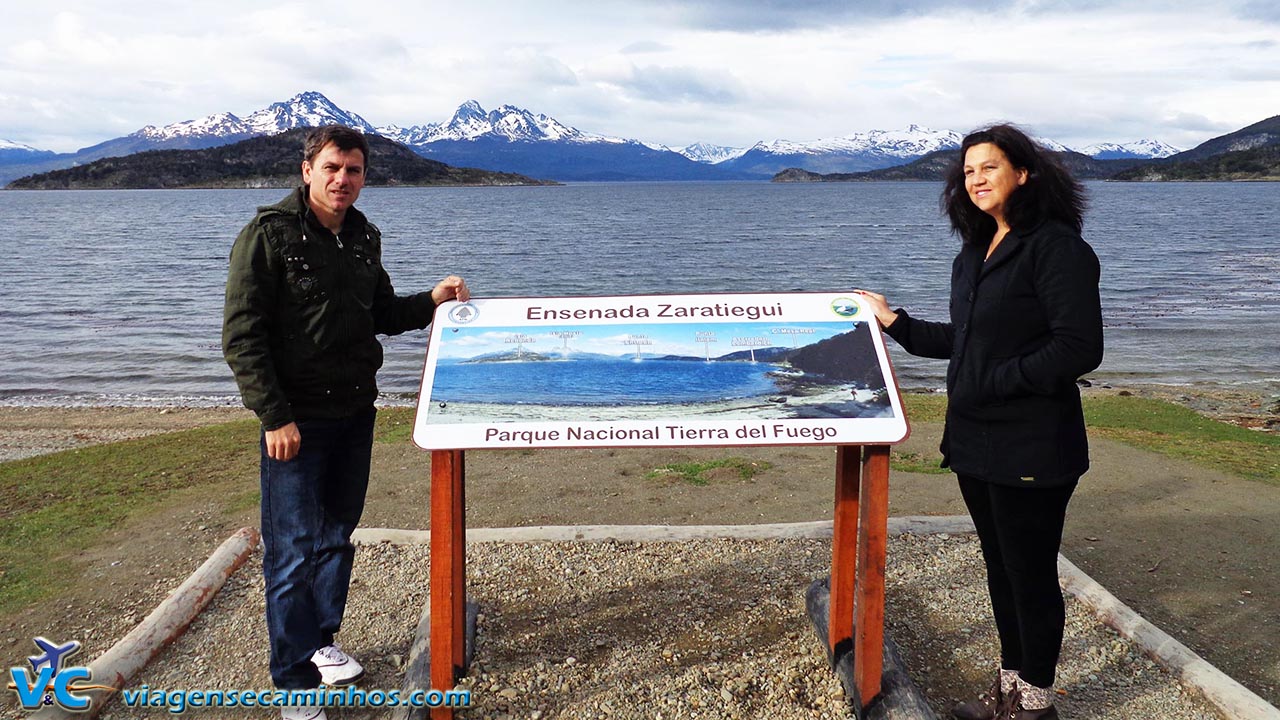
(114,297)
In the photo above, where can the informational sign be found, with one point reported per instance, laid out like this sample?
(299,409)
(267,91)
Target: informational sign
(657,370)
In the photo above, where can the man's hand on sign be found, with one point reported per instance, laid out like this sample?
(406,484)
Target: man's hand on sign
(451,288)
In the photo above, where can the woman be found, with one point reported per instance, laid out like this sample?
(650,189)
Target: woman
(1026,322)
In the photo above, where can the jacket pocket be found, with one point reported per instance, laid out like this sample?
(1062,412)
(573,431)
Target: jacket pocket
(364,275)
(972,391)
(1025,436)
(306,275)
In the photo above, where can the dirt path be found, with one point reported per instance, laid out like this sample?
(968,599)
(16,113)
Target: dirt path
(1189,548)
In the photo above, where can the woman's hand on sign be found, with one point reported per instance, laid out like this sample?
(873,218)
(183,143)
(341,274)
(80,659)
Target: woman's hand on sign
(879,306)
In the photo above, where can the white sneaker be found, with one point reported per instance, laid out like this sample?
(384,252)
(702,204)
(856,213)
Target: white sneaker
(303,713)
(336,667)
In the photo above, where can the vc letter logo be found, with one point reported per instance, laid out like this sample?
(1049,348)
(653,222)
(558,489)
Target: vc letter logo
(49,681)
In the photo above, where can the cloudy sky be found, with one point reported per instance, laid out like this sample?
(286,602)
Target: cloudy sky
(731,72)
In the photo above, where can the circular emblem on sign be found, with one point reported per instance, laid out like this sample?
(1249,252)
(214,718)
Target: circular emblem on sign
(464,313)
(845,307)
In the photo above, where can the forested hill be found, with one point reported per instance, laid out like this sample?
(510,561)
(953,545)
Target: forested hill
(1262,163)
(270,161)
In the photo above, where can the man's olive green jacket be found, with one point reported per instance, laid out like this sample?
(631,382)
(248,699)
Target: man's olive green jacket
(303,307)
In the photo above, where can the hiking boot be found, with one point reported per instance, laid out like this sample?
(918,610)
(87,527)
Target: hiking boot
(1015,711)
(983,707)
(336,667)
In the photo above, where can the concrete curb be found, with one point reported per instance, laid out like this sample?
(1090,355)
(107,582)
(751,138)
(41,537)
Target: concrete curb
(661,533)
(1231,699)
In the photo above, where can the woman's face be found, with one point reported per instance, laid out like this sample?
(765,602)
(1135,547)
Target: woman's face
(990,179)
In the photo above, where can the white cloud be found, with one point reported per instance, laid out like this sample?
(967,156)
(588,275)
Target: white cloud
(721,71)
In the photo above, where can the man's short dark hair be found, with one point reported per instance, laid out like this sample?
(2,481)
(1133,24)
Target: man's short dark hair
(342,136)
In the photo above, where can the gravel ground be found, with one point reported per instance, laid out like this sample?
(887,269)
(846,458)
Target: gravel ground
(701,629)
(30,431)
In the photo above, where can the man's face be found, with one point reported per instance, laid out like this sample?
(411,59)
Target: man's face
(335,178)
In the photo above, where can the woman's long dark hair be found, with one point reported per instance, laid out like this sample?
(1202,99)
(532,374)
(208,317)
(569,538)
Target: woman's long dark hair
(1050,192)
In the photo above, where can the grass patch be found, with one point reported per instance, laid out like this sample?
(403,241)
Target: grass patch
(917,463)
(695,473)
(394,425)
(248,500)
(1179,432)
(925,407)
(60,504)
(1156,425)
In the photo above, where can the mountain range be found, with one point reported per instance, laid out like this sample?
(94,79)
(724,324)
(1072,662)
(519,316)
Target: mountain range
(1250,153)
(513,139)
(259,162)
(851,153)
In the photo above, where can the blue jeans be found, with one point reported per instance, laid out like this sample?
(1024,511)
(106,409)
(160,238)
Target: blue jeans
(310,507)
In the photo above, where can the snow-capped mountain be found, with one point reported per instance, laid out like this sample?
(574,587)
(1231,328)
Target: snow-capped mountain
(13,153)
(308,109)
(513,124)
(912,142)
(1137,149)
(516,140)
(305,109)
(1053,145)
(850,153)
(11,145)
(221,125)
(707,153)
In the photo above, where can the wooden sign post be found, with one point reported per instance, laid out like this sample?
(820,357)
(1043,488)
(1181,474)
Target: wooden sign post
(637,371)
(858,545)
(448,570)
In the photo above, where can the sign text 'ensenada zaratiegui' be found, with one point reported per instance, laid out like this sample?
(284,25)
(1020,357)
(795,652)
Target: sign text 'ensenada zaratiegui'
(657,370)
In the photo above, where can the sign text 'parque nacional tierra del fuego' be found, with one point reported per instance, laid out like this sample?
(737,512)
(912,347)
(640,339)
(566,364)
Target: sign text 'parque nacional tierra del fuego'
(657,370)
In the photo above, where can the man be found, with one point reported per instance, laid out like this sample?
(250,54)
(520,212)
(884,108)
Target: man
(306,296)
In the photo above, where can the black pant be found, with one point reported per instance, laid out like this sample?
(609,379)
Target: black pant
(1020,529)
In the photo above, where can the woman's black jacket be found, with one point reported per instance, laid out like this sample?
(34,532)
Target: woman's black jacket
(1025,324)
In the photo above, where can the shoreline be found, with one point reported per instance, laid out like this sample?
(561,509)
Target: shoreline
(1254,390)
(29,430)
(792,401)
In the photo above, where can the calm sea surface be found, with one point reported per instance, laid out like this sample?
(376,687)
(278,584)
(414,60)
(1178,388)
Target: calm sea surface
(115,297)
(601,382)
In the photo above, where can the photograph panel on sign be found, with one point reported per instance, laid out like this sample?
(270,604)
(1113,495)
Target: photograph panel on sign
(646,371)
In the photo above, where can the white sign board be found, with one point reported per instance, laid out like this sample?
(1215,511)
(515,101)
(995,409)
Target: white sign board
(657,370)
